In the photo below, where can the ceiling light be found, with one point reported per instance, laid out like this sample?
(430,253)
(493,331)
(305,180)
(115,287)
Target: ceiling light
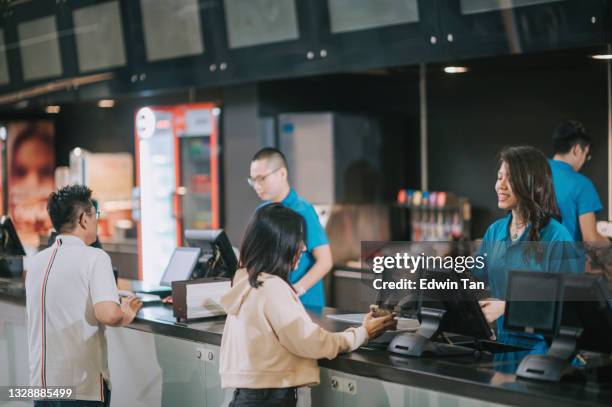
(53,109)
(106,103)
(456,69)
(602,56)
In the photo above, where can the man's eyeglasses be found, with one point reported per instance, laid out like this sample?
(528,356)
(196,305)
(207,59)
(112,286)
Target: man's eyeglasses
(589,156)
(97,213)
(260,179)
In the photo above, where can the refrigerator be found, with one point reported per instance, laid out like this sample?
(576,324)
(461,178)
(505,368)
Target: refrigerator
(177,166)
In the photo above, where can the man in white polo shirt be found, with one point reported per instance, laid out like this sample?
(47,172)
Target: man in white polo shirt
(71,295)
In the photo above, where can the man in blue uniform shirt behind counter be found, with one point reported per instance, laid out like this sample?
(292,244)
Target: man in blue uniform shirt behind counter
(576,195)
(269,177)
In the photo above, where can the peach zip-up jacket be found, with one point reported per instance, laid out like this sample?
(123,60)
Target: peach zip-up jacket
(269,341)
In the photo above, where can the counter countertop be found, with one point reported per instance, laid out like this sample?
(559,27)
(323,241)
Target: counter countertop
(463,376)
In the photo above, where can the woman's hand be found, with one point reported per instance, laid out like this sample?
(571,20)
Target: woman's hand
(492,308)
(376,326)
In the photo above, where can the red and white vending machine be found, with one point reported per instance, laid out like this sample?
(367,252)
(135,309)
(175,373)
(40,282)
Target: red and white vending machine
(177,161)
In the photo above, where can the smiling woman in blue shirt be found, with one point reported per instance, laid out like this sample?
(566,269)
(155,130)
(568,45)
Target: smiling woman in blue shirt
(529,237)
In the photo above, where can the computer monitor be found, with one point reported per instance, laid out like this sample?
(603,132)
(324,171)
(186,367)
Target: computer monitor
(587,305)
(181,265)
(10,245)
(11,250)
(218,257)
(444,310)
(535,300)
(463,314)
(579,319)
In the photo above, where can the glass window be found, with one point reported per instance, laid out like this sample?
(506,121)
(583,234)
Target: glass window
(39,46)
(352,15)
(99,36)
(481,6)
(255,22)
(4,75)
(171,28)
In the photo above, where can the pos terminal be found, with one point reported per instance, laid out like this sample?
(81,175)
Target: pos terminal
(573,310)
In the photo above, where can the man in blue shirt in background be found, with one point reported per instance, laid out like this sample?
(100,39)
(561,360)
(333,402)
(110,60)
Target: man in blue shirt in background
(269,177)
(576,195)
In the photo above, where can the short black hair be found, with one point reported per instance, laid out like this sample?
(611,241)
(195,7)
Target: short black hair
(270,153)
(568,134)
(272,241)
(66,204)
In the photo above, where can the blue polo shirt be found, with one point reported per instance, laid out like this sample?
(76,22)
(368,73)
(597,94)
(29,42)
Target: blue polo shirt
(576,195)
(315,237)
(559,254)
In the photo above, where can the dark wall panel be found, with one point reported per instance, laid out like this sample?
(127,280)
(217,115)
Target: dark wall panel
(392,98)
(95,129)
(474,115)
(240,141)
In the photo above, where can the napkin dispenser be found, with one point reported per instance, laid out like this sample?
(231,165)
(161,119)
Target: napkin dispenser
(199,298)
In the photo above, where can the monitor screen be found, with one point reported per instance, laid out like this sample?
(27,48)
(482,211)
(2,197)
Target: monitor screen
(533,302)
(588,306)
(256,22)
(181,264)
(462,310)
(353,15)
(10,244)
(217,252)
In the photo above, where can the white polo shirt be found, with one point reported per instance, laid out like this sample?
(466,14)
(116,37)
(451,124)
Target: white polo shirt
(67,344)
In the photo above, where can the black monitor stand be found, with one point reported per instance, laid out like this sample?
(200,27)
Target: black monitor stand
(551,366)
(420,342)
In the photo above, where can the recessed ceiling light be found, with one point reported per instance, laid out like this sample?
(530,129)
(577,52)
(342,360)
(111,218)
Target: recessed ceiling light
(53,109)
(456,69)
(106,103)
(602,56)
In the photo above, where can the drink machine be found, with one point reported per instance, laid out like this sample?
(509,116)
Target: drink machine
(177,162)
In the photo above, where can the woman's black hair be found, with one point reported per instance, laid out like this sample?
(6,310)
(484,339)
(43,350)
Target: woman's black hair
(531,181)
(272,241)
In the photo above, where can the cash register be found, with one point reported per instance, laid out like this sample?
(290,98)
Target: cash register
(441,312)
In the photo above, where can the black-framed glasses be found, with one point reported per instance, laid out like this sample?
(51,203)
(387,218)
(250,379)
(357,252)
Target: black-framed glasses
(261,179)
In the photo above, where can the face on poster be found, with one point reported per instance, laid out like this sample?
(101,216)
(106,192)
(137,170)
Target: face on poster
(31,162)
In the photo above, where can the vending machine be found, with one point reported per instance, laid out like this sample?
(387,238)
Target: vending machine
(177,161)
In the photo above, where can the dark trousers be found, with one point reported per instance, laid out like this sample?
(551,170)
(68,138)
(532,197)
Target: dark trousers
(265,397)
(76,403)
